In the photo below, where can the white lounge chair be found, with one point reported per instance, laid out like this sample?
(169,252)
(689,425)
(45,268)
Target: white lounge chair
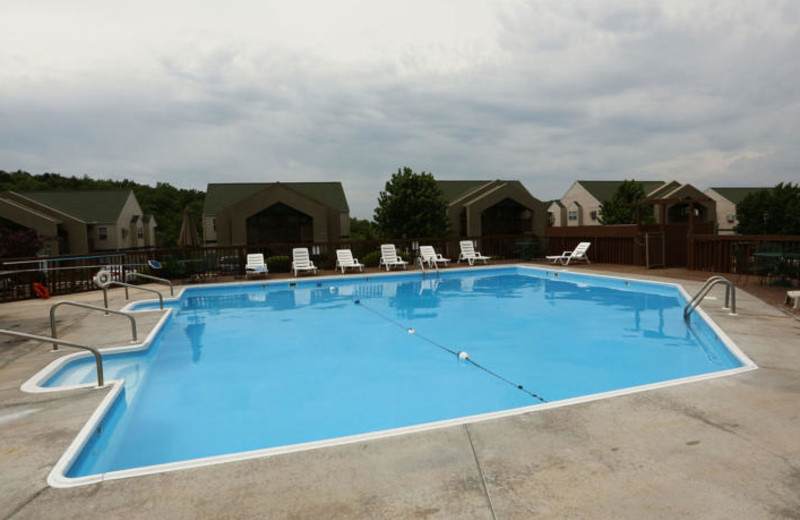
(301,261)
(431,257)
(255,265)
(469,254)
(344,259)
(793,295)
(389,257)
(576,255)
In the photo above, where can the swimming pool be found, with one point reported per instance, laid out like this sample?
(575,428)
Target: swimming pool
(252,369)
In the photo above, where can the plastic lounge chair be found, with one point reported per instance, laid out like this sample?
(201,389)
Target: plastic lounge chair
(429,255)
(301,261)
(577,254)
(344,259)
(469,254)
(389,257)
(793,295)
(255,265)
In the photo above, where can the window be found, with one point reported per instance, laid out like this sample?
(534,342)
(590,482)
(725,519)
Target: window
(102,233)
(730,218)
(572,214)
(140,232)
(214,224)
(593,215)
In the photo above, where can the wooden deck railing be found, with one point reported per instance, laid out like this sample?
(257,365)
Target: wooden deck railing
(721,253)
(610,244)
(67,275)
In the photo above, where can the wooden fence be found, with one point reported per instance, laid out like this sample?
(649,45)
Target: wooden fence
(621,244)
(722,253)
(67,274)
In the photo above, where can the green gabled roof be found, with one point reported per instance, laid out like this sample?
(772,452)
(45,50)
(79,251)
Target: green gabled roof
(736,195)
(604,190)
(453,190)
(89,206)
(220,196)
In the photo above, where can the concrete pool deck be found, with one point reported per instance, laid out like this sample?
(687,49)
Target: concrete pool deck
(722,448)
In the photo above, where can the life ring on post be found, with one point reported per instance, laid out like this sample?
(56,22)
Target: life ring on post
(102,278)
(41,291)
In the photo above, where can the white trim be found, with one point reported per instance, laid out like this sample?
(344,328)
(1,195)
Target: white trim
(57,477)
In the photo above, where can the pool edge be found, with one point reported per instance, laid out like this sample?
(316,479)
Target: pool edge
(57,477)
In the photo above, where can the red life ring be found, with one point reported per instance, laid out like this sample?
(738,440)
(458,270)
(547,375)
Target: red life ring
(41,291)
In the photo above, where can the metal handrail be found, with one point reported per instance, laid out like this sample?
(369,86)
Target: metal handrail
(421,263)
(422,266)
(97,357)
(126,285)
(149,277)
(87,306)
(730,295)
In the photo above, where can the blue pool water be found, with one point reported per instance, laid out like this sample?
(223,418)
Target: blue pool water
(240,368)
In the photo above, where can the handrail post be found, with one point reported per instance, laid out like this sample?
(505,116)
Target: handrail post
(87,306)
(730,295)
(97,357)
(126,285)
(53,325)
(149,277)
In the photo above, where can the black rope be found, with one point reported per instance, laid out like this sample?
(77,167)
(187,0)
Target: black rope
(446,349)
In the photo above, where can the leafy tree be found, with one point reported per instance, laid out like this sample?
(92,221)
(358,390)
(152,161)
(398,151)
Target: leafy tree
(411,206)
(620,209)
(773,211)
(18,242)
(361,229)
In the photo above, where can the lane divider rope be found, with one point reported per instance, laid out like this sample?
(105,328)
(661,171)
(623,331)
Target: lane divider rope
(460,354)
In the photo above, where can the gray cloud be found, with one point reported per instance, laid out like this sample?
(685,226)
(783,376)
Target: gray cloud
(575,90)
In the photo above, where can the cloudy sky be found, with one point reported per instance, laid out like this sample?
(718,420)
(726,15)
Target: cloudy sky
(547,92)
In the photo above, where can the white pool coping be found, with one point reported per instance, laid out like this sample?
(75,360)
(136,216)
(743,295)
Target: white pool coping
(57,477)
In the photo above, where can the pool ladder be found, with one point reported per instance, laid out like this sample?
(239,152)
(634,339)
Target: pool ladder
(730,295)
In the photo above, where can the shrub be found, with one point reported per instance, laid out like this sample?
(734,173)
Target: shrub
(322,261)
(172,268)
(279,264)
(371,259)
(529,248)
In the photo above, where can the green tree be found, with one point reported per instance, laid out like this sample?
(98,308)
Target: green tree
(361,229)
(620,210)
(412,205)
(773,211)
